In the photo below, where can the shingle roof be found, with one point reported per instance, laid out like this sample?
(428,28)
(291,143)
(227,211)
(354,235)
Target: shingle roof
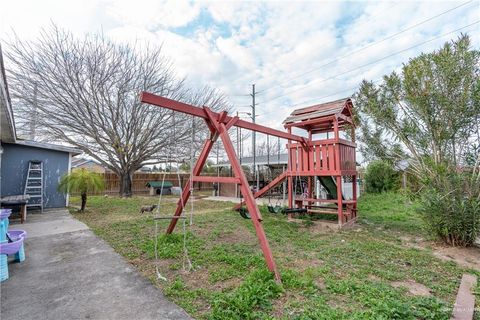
(158,184)
(319,111)
(319,118)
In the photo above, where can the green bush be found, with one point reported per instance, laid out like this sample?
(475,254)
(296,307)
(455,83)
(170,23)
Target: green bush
(450,204)
(380,177)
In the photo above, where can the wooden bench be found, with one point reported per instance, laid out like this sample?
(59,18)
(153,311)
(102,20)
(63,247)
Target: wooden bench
(17,201)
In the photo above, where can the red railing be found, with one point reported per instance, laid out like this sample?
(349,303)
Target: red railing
(322,157)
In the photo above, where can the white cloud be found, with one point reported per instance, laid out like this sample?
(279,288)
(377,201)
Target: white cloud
(26,18)
(153,14)
(273,44)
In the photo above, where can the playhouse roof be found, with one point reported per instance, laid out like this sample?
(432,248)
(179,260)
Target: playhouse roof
(158,184)
(318,117)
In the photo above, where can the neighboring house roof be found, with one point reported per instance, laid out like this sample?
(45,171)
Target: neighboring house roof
(158,184)
(44,145)
(274,159)
(7,124)
(77,162)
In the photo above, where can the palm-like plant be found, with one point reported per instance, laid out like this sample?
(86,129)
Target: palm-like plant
(81,181)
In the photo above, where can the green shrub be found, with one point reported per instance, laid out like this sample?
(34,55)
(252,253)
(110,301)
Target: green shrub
(380,177)
(450,204)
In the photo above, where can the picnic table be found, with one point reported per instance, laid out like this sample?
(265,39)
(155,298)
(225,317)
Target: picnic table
(17,200)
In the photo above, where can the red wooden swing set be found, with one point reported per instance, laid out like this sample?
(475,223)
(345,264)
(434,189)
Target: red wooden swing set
(333,157)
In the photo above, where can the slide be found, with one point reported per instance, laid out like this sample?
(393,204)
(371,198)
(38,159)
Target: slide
(329,184)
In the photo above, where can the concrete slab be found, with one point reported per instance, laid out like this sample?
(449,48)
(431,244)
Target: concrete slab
(49,223)
(75,275)
(464,307)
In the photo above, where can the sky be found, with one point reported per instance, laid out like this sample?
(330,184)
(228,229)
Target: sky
(296,53)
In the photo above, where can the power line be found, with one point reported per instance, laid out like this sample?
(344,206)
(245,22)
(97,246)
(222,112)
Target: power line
(323,97)
(367,46)
(375,61)
(332,94)
(281,71)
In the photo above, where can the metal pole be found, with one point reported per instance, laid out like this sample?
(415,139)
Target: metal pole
(254,136)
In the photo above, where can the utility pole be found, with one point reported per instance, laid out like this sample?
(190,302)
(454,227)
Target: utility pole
(254,136)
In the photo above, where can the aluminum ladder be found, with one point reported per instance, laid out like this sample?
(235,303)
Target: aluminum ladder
(34,184)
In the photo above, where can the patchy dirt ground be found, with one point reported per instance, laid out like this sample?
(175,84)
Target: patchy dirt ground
(413,287)
(468,257)
(373,270)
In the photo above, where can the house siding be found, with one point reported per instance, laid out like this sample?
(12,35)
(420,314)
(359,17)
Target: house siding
(14,167)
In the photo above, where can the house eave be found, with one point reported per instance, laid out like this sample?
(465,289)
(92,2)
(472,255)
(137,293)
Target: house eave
(7,132)
(49,146)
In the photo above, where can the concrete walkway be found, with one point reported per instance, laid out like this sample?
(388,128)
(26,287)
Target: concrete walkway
(69,273)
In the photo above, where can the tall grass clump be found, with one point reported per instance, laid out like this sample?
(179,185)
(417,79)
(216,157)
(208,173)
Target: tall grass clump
(450,205)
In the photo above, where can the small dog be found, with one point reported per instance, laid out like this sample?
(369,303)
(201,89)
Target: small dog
(148,208)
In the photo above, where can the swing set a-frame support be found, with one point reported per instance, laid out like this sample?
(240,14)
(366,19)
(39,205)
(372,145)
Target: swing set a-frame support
(218,124)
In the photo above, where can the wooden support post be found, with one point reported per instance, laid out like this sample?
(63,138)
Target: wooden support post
(310,167)
(339,199)
(246,192)
(354,196)
(289,179)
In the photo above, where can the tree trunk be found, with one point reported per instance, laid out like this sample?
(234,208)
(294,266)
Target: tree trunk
(84,201)
(125,185)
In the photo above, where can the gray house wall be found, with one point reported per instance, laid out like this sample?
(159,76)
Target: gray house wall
(14,166)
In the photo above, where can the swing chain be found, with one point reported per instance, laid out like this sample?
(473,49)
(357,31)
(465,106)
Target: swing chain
(187,264)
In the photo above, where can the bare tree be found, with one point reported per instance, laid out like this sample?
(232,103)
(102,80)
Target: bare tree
(272,147)
(85,92)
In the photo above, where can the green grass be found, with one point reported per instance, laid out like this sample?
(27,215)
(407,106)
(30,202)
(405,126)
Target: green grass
(326,275)
(391,211)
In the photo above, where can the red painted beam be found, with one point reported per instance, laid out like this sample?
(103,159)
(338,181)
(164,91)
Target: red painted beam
(163,102)
(325,142)
(252,208)
(216,179)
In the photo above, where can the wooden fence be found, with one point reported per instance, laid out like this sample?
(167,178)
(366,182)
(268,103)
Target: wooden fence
(112,182)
